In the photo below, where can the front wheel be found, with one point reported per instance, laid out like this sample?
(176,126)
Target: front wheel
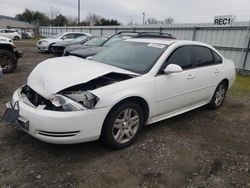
(219,96)
(122,126)
(8,61)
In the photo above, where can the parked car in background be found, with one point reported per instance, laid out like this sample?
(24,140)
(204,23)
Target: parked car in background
(46,43)
(10,33)
(9,55)
(26,35)
(91,51)
(135,82)
(59,47)
(95,42)
(1,71)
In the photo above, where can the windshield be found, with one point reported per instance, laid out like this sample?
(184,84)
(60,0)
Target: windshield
(115,39)
(98,41)
(79,39)
(137,57)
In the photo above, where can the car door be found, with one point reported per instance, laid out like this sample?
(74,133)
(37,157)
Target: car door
(3,33)
(68,37)
(9,34)
(174,92)
(207,72)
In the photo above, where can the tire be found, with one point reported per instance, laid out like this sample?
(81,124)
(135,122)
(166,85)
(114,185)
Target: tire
(119,130)
(16,38)
(49,49)
(219,96)
(8,61)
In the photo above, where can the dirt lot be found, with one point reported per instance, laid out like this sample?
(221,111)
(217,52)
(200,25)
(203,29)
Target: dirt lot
(202,148)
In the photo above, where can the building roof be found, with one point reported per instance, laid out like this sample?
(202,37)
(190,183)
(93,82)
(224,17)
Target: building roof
(11,18)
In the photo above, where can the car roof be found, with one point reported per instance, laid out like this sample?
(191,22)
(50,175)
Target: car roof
(168,41)
(75,32)
(153,40)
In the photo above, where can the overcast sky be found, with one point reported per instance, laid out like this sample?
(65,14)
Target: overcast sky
(183,11)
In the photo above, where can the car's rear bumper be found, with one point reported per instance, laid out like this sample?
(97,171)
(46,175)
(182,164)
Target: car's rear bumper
(59,127)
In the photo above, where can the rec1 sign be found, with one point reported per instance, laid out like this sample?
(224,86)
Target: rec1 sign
(223,20)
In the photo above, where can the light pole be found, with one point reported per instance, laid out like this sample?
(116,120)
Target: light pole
(143,18)
(79,9)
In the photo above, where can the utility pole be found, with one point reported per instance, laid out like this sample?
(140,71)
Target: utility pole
(143,18)
(79,9)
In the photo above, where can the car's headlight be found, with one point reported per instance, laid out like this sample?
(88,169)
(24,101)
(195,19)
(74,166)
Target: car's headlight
(66,103)
(86,101)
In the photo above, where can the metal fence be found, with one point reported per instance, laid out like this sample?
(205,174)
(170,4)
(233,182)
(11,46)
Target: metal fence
(233,42)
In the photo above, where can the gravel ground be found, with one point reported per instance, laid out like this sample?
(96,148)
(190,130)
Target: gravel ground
(201,148)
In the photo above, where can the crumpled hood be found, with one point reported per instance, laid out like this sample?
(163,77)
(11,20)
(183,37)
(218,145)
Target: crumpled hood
(56,74)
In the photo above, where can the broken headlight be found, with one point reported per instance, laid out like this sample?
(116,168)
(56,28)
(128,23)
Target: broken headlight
(75,101)
(89,100)
(66,103)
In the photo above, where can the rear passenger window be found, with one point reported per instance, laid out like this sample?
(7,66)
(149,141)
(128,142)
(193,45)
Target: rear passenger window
(69,36)
(181,57)
(78,35)
(202,56)
(217,58)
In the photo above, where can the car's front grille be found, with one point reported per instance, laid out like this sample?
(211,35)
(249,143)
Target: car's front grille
(58,134)
(37,99)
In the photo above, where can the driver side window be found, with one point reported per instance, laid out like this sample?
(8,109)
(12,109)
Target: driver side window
(182,57)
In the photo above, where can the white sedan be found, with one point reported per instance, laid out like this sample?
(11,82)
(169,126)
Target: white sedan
(46,43)
(135,82)
(10,33)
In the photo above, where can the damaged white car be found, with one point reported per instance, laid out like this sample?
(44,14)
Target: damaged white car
(135,82)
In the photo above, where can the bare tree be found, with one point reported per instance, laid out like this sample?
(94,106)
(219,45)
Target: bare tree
(152,21)
(93,19)
(53,13)
(169,20)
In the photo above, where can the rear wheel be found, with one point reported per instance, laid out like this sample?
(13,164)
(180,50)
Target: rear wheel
(8,61)
(219,96)
(122,126)
(16,38)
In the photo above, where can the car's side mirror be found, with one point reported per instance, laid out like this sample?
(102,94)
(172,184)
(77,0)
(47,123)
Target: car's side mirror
(172,68)
(63,37)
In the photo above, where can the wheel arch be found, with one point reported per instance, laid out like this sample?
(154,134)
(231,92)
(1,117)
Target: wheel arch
(6,47)
(137,99)
(226,81)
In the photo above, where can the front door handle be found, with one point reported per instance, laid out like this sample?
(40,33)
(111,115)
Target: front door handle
(190,76)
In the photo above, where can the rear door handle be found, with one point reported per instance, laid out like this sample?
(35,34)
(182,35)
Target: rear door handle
(216,71)
(190,76)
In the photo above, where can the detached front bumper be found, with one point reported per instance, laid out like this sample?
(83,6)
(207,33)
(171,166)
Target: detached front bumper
(59,127)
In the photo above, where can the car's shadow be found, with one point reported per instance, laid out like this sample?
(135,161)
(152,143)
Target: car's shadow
(177,123)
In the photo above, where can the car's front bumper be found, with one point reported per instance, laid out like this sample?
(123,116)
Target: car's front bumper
(42,46)
(59,127)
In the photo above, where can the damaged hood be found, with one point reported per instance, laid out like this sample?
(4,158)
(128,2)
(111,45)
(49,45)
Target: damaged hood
(56,74)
